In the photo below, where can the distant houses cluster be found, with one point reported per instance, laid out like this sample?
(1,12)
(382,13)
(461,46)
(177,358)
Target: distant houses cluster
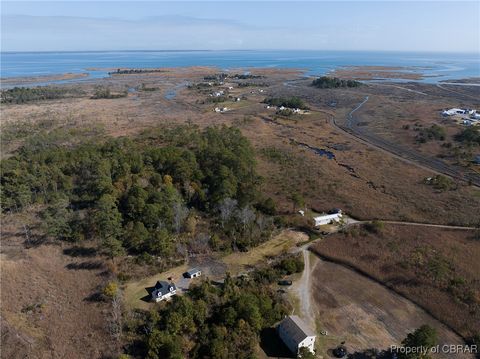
(466,116)
(283,108)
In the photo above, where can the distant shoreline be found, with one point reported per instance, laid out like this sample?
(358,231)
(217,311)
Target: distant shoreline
(25,80)
(367,65)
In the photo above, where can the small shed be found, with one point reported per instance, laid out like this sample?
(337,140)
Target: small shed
(193,273)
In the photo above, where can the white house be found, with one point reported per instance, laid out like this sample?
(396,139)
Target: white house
(163,291)
(193,273)
(453,111)
(327,218)
(296,334)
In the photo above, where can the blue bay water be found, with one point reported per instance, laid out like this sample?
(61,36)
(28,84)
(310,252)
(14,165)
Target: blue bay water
(437,66)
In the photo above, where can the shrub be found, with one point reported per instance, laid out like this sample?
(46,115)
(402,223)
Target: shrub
(434,132)
(441,183)
(110,290)
(470,135)
(103,92)
(291,265)
(374,226)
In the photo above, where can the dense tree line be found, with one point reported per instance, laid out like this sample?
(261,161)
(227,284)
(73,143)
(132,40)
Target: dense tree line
(134,71)
(252,84)
(141,195)
(326,82)
(222,76)
(246,76)
(20,95)
(289,102)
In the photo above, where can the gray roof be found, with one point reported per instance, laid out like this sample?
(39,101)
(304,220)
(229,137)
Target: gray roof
(193,271)
(296,328)
(163,287)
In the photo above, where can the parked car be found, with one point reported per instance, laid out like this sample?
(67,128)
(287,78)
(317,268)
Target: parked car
(340,351)
(284,282)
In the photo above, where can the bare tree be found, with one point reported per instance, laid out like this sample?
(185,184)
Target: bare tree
(26,230)
(227,208)
(246,216)
(262,222)
(201,243)
(114,323)
(180,213)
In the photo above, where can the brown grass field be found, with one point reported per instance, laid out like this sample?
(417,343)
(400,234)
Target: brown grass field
(436,268)
(48,300)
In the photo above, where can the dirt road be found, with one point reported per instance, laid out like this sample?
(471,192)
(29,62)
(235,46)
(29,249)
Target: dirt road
(408,155)
(302,289)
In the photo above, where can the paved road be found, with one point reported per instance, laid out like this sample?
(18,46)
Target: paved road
(407,155)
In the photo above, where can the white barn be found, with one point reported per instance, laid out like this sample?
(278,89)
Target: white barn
(327,218)
(296,334)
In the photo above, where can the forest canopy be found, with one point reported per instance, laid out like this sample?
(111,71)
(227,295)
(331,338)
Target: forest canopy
(140,195)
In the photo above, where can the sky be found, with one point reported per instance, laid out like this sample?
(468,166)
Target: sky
(241,25)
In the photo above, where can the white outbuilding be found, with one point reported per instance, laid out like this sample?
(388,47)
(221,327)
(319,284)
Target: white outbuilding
(296,334)
(327,219)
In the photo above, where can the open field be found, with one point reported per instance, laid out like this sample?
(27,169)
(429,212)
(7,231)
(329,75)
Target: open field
(378,72)
(364,314)
(48,300)
(436,268)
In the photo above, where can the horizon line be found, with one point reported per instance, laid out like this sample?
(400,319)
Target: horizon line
(235,50)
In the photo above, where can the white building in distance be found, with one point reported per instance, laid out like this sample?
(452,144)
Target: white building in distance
(296,334)
(327,219)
